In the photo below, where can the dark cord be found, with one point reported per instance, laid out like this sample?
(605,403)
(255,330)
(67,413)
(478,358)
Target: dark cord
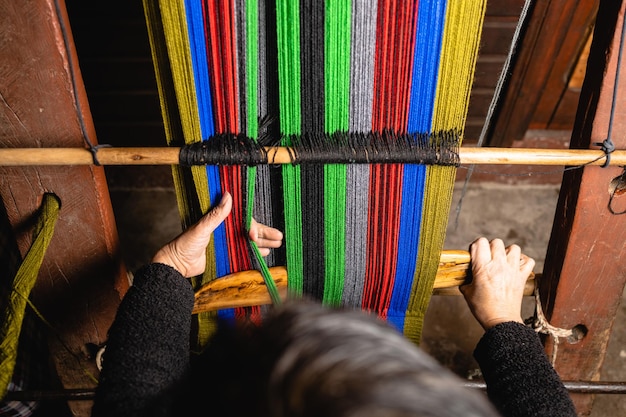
(618,187)
(81,121)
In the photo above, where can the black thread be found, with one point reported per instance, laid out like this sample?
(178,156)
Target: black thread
(620,180)
(81,121)
(223,149)
(94,152)
(607,147)
(438,148)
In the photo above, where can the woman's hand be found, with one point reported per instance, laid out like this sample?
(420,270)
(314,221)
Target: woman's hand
(265,237)
(187,252)
(499,276)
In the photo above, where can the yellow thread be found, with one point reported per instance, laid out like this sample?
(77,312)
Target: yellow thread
(23,283)
(167,24)
(456,71)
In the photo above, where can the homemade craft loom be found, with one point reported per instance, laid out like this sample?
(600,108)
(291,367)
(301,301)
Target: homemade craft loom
(562,289)
(372,78)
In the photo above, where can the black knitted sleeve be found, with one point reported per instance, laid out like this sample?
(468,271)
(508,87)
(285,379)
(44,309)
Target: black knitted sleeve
(147,351)
(520,379)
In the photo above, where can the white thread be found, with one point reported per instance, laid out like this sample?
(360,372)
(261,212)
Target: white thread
(541,325)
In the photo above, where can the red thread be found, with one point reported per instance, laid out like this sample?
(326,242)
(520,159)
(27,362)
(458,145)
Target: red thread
(221,43)
(395,39)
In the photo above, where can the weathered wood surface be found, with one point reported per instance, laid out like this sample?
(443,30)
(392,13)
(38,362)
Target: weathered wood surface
(82,277)
(584,273)
(547,53)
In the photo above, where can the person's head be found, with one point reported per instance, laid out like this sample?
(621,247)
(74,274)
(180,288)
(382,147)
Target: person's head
(309,360)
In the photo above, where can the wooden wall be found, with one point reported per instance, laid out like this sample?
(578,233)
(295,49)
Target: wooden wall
(44,104)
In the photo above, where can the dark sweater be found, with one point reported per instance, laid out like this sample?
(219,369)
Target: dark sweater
(520,379)
(148,344)
(147,357)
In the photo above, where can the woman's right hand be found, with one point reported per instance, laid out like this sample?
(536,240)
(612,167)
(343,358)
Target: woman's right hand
(499,276)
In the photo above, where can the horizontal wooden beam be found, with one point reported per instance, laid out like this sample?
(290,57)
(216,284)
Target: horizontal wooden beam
(282,155)
(247,288)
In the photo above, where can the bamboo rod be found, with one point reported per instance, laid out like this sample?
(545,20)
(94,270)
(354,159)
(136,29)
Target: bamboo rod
(247,288)
(281,155)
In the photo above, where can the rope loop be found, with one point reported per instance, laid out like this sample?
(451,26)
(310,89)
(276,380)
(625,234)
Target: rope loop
(607,147)
(618,186)
(541,325)
(94,152)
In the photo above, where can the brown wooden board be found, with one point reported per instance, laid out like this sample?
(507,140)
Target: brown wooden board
(43,104)
(580,24)
(584,273)
(546,54)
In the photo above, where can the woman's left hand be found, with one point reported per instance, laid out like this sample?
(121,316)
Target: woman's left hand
(187,252)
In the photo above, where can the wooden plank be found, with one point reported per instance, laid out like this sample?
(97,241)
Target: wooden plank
(573,44)
(566,109)
(497,34)
(584,273)
(504,8)
(43,105)
(487,72)
(549,42)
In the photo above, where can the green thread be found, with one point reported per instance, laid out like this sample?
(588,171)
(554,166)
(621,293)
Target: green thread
(337,104)
(288,37)
(23,283)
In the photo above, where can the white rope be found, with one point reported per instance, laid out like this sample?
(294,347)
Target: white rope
(541,325)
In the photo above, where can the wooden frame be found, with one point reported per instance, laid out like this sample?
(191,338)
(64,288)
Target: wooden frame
(551,43)
(584,273)
(581,285)
(44,104)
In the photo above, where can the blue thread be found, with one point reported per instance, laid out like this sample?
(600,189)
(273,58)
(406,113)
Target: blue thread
(428,40)
(196,25)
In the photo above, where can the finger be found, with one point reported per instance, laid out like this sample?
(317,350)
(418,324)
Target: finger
(267,243)
(218,214)
(479,251)
(513,255)
(466,286)
(264,251)
(265,236)
(269,233)
(527,264)
(497,248)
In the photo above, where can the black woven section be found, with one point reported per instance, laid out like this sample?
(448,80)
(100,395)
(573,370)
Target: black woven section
(387,147)
(440,148)
(223,149)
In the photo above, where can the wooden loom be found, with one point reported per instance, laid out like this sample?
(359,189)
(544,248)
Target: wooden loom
(222,74)
(571,235)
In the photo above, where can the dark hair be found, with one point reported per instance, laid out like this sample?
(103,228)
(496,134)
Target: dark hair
(308,360)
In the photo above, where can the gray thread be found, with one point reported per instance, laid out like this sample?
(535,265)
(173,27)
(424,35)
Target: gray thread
(357,177)
(263,201)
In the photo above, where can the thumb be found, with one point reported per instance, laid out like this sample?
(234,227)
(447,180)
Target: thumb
(218,214)
(527,266)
